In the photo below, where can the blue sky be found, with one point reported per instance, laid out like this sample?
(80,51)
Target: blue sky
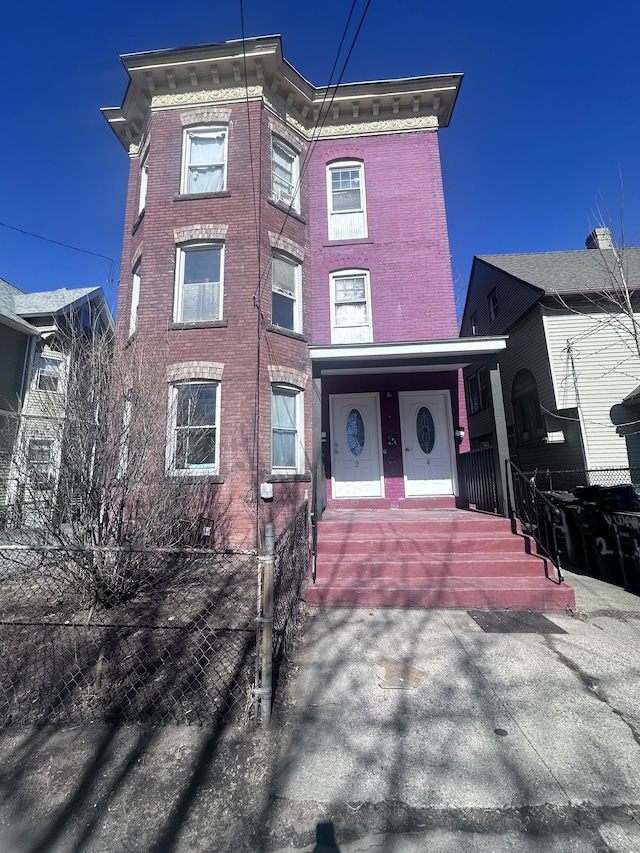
(545,130)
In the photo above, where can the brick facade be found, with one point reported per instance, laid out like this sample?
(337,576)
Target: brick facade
(406,251)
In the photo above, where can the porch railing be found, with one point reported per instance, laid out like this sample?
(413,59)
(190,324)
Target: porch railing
(478,482)
(539,518)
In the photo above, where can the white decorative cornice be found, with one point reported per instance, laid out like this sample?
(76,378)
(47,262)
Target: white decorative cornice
(205,96)
(252,69)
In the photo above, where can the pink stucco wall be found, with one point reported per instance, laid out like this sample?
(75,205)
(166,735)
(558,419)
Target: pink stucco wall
(407,249)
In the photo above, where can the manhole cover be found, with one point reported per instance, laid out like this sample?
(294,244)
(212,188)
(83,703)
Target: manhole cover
(514,622)
(398,675)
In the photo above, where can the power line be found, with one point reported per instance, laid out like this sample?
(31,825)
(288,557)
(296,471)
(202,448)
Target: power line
(112,263)
(56,242)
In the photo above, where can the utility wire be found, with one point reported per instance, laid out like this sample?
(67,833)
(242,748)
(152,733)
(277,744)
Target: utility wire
(112,263)
(322,117)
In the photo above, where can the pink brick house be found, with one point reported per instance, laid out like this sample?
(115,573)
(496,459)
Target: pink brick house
(286,260)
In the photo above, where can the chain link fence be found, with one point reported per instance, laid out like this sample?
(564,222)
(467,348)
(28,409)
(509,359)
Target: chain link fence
(567,481)
(292,556)
(153,636)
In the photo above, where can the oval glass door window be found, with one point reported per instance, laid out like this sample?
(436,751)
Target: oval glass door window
(355,432)
(426,429)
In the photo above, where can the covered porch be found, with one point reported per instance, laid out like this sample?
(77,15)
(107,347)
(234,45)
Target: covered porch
(389,422)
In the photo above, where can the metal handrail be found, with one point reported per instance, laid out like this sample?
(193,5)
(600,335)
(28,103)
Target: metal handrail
(314,522)
(538,516)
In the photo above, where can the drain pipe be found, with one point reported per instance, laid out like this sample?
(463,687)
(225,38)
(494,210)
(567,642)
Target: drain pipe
(266,685)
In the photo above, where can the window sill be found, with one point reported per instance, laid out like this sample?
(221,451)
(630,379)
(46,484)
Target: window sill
(196,196)
(189,477)
(289,478)
(287,333)
(360,241)
(198,324)
(138,221)
(279,205)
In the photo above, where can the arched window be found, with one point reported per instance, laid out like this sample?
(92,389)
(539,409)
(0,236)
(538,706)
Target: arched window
(529,423)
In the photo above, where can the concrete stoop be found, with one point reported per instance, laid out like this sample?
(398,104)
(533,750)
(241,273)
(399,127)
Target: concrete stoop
(429,558)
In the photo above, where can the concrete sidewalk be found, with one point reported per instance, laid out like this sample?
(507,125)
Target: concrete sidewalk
(513,741)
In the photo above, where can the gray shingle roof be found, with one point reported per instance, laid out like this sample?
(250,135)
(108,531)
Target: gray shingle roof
(16,306)
(569,272)
(8,313)
(49,301)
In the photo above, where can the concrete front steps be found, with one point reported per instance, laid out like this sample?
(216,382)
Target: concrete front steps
(429,558)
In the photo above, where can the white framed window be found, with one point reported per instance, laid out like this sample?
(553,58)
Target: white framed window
(194,413)
(286,304)
(351,307)
(39,463)
(198,291)
(144,177)
(204,160)
(287,442)
(135,299)
(285,174)
(48,374)
(346,202)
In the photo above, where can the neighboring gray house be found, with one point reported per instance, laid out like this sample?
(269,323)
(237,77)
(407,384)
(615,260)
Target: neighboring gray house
(34,361)
(571,369)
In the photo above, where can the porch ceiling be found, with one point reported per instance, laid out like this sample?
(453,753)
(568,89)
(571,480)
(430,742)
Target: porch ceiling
(409,356)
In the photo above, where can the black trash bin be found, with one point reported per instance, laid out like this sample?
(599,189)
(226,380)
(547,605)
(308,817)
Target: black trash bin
(602,559)
(568,533)
(626,526)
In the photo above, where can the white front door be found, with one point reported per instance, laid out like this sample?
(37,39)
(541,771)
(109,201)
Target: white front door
(356,451)
(427,443)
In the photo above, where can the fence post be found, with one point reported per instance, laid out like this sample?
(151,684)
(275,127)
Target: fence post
(266,686)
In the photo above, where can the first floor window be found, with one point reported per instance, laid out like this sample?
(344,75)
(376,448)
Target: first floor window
(48,375)
(194,413)
(284,174)
(285,293)
(39,459)
(351,307)
(286,429)
(529,423)
(204,160)
(478,391)
(198,284)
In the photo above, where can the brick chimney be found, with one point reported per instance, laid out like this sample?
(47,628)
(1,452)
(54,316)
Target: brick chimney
(600,238)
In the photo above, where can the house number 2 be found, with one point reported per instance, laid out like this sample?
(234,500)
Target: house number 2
(356,464)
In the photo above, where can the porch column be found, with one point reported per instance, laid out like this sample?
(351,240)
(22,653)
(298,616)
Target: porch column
(501,449)
(318,478)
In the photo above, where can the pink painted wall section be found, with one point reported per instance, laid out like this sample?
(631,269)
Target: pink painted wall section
(407,249)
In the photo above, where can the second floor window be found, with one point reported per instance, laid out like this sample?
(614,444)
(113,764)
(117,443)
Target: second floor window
(198,296)
(285,295)
(351,307)
(204,160)
(135,299)
(48,374)
(493,305)
(346,201)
